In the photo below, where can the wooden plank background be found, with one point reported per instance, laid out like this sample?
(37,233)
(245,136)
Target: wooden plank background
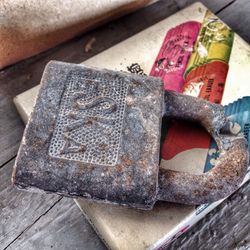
(38,221)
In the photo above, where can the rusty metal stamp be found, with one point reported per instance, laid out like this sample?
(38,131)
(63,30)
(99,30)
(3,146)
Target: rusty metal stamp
(89,124)
(94,133)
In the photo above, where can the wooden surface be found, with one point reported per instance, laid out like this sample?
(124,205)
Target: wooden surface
(38,221)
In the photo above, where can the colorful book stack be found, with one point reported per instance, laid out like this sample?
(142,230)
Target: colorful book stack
(193,60)
(195,53)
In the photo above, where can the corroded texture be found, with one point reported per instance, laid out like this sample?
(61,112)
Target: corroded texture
(76,111)
(89,124)
(230,167)
(96,134)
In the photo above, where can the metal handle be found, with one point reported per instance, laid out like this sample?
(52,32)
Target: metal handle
(230,168)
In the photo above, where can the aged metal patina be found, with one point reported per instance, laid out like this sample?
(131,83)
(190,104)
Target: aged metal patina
(96,134)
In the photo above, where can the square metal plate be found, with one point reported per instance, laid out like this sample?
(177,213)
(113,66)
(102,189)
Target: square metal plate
(95,134)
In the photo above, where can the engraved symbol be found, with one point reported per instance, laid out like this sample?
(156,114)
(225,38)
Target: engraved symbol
(89,123)
(102,124)
(72,146)
(106,105)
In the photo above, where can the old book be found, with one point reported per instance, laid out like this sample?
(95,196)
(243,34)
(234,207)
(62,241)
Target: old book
(123,228)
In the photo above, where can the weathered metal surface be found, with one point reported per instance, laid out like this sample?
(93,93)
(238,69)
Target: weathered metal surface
(96,134)
(230,167)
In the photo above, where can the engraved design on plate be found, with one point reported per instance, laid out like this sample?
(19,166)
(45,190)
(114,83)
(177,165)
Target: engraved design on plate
(89,123)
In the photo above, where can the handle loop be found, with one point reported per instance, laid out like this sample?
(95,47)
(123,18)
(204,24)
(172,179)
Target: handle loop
(230,168)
